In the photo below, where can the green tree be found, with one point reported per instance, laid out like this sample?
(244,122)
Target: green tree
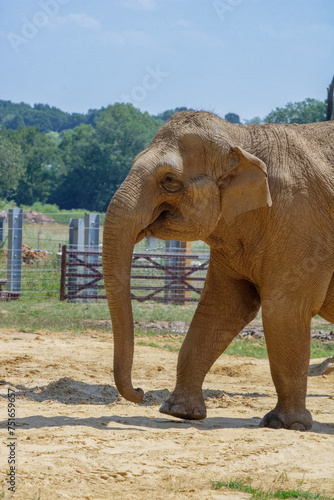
(40,164)
(96,161)
(253,121)
(166,115)
(232,118)
(11,167)
(81,161)
(307,111)
(46,118)
(122,132)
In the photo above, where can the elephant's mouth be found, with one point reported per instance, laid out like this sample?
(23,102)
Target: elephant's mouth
(159,226)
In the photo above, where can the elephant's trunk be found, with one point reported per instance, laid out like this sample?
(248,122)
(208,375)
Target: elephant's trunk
(121,229)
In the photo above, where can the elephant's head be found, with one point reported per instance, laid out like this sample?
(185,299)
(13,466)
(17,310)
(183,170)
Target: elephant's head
(190,178)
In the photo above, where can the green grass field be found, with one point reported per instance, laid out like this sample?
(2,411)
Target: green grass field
(51,314)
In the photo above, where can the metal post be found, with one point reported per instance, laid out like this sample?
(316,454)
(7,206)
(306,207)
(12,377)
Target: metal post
(76,242)
(178,263)
(186,265)
(151,243)
(14,255)
(172,246)
(92,235)
(76,234)
(63,274)
(2,230)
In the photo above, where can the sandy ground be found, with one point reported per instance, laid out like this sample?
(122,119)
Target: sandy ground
(77,439)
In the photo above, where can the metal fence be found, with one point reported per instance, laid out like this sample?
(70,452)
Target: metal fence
(36,249)
(174,276)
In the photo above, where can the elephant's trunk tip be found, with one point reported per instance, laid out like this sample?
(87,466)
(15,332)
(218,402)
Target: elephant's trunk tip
(139,395)
(133,395)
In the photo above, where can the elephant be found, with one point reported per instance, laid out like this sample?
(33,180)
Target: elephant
(262,198)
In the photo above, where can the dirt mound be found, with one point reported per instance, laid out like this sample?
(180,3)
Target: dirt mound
(32,217)
(254,331)
(236,371)
(170,326)
(29,255)
(322,335)
(156,398)
(69,391)
(37,218)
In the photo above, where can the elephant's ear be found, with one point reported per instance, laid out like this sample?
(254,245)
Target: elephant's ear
(245,186)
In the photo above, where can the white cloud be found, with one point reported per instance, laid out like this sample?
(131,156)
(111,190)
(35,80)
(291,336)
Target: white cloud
(185,24)
(113,39)
(127,38)
(81,20)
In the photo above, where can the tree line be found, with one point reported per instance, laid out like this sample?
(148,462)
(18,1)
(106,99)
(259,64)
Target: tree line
(77,160)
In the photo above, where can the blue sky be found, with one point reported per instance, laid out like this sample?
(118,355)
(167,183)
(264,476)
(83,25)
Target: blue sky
(241,56)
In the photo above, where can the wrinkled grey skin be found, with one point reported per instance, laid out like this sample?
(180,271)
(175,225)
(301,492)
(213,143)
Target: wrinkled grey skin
(262,197)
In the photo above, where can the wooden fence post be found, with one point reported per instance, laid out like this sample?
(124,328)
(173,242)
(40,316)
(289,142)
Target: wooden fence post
(14,255)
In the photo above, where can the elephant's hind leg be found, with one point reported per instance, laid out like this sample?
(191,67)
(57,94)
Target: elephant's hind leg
(226,306)
(286,315)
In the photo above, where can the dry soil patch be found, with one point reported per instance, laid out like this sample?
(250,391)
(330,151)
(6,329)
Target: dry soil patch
(77,439)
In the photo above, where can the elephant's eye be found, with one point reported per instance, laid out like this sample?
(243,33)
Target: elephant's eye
(171,184)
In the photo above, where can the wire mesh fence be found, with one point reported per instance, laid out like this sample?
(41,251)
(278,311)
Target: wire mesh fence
(155,264)
(42,238)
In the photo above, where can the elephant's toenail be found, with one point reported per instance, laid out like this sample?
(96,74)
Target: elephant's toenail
(297,427)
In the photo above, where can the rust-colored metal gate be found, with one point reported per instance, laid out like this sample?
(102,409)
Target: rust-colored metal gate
(175,277)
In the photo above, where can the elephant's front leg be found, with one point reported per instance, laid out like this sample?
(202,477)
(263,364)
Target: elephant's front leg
(226,306)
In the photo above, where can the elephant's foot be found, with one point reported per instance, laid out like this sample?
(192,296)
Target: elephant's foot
(296,420)
(181,404)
